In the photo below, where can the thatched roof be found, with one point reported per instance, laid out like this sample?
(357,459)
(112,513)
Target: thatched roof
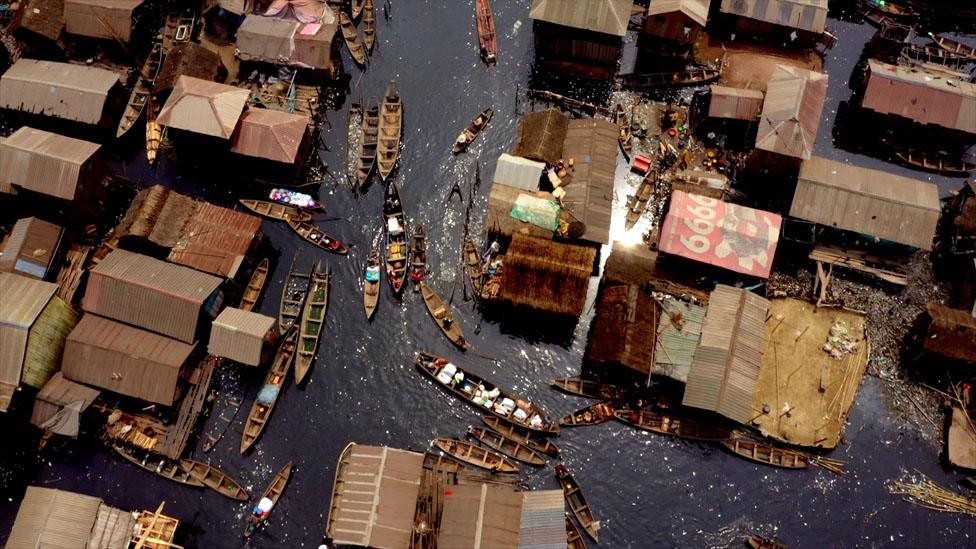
(156,214)
(190,59)
(624,330)
(541,136)
(546,275)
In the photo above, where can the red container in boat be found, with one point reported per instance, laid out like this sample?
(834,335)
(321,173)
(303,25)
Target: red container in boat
(642,164)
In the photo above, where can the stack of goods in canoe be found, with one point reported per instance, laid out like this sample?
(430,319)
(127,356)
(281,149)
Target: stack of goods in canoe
(276,210)
(293,198)
(506,446)
(313,319)
(264,403)
(521,435)
(396,238)
(595,414)
(318,237)
(371,283)
(472,131)
(214,479)
(577,503)
(476,455)
(443,316)
(270,497)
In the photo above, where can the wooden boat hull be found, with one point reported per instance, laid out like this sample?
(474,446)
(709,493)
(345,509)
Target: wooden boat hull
(590,389)
(292,297)
(214,479)
(351,37)
(473,130)
(442,317)
(476,456)
(520,434)
(506,447)
(367,143)
(637,206)
(624,133)
(318,237)
(681,427)
(168,469)
(486,31)
(371,290)
(952,46)
(369,25)
(252,292)
(418,257)
(662,80)
(473,263)
(577,502)
(313,320)
(396,240)
(257,418)
(272,492)
(356,8)
(598,413)
(276,210)
(390,132)
(937,165)
(766,453)
(889,9)
(574,540)
(141,91)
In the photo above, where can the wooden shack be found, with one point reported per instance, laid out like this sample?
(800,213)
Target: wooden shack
(188,59)
(675,21)
(950,333)
(586,192)
(799,22)
(108,19)
(624,329)
(32,249)
(242,336)
(790,118)
(59,405)
(41,26)
(583,37)
(79,93)
(279,140)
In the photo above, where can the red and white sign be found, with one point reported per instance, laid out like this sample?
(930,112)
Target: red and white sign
(718,233)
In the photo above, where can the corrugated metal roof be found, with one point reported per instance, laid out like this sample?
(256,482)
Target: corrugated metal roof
(216,239)
(696,10)
(792,111)
(150,293)
(543,523)
(31,247)
(58,392)
(592,144)
(63,90)
(678,333)
(604,16)
(287,41)
(480,516)
(21,301)
(43,162)
(205,107)
(737,103)
(44,17)
(518,172)
(726,365)
(808,15)
(888,206)
(240,335)
(271,134)
(54,519)
(921,96)
(110,19)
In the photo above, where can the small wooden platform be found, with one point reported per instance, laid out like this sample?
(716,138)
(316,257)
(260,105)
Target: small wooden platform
(860,261)
(173,444)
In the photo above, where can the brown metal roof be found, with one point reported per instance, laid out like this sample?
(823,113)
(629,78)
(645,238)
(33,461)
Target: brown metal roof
(696,10)
(726,365)
(921,96)
(31,247)
(266,38)
(791,111)
(271,134)
(737,103)
(216,239)
(150,293)
(480,516)
(57,393)
(240,335)
(21,301)
(125,359)
(44,17)
(543,522)
(808,15)
(592,144)
(54,519)
(205,107)
(604,16)
(63,90)
(951,333)
(867,201)
(188,59)
(43,162)
(110,19)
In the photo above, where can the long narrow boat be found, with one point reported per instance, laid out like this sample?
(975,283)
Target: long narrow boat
(166,468)
(473,262)
(313,319)
(317,236)
(418,257)
(274,382)
(371,284)
(577,503)
(276,210)
(891,9)
(958,48)
(756,542)
(213,478)
(593,414)
(356,8)
(367,143)
(590,389)
(254,286)
(471,454)
(390,131)
(269,499)
(574,540)
(486,31)
(443,317)
(665,79)
(369,25)
(292,296)
(936,164)
(521,435)
(625,136)
(931,54)
(395,228)
(637,204)
(473,130)
(665,424)
(351,36)
(484,395)
(142,89)
(506,446)
(228,404)
(766,454)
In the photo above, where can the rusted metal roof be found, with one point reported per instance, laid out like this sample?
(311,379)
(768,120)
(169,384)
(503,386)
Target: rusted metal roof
(205,107)
(480,515)
(110,19)
(21,301)
(288,41)
(57,393)
(726,365)
(216,240)
(951,333)
(43,162)
(808,15)
(603,16)
(592,144)
(150,293)
(921,96)
(737,103)
(45,18)
(271,134)
(58,519)
(872,202)
(62,90)
(678,333)
(791,111)
(543,521)
(240,335)
(32,245)
(696,10)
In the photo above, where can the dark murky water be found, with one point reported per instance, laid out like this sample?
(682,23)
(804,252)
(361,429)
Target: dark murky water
(649,491)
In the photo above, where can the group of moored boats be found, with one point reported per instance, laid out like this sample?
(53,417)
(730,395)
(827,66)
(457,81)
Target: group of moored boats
(382,130)
(363,11)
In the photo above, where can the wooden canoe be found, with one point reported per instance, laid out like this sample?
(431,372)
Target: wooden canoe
(473,262)
(418,257)
(756,542)
(254,286)
(666,424)
(471,454)
(891,9)
(224,411)
(577,502)
(486,31)
(507,447)
(931,54)
(292,296)
(313,319)
(473,130)
(594,414)
(590,389)
(936,164)
(141,90)
(952,46)
(625,136)
(574,540)
(521,435)
(443,317)
(371,289)
(366,160)
(274,383)
(638,203)
(351,36)
(166,468)
(660,80)
(390,131)
(484,395)
(276,210)
(395,229)
(767,454)
(317,236)
(356,8)
(273,493)
(213,478)
(369,25)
